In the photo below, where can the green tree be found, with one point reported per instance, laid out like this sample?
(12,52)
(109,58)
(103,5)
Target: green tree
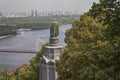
(88,55)
(108,12)
(31,71)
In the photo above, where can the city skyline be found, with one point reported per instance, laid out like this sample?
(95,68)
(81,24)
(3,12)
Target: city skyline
(36,13)
(45,5)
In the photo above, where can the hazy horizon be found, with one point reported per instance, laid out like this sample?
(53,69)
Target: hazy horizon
(45,5)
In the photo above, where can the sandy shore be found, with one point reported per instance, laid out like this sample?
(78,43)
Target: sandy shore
(2,37)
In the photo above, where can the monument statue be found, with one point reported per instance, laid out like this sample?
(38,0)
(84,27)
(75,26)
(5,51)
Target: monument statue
(54,30)
(54,33)
(51,54)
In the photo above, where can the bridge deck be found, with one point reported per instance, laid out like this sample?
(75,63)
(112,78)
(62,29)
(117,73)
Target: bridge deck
(18,51)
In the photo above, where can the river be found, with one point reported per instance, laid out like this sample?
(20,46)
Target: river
(26,40)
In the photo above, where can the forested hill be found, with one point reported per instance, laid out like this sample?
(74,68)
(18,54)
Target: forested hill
(10,25)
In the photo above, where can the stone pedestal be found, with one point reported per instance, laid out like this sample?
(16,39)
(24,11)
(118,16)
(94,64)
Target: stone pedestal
(47,66)
(53,41)
(52,52)
(47,69)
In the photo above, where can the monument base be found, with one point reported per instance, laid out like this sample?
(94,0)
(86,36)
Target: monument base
(53,41)
(47,69)
(47,62)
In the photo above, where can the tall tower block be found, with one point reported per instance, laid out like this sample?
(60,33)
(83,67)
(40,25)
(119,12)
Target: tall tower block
(52,52)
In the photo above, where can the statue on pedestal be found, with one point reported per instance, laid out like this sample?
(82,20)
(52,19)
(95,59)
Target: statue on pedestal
(51,54)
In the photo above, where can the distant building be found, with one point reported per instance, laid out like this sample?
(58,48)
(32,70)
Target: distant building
(36,13)
(32,13)
(0,14)
(20,14)
(9,15)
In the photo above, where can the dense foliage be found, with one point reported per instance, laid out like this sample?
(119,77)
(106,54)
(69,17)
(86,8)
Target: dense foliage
(93,45)
(7,30)
(108,12)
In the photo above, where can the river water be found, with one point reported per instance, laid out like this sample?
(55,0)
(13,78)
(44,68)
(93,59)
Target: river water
(28,40)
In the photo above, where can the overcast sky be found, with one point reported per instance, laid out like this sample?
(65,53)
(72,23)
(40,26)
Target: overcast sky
(45,5)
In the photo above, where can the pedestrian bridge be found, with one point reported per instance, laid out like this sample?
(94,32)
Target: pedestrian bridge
(18,51)
(12,49)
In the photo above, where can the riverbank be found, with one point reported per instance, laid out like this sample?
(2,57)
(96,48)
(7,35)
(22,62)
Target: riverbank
(3,37)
